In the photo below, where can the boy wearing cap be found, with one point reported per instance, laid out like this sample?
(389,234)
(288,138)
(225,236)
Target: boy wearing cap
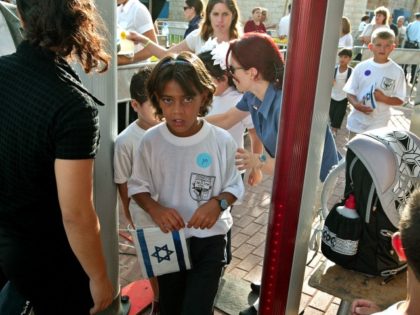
(375,85)
(406,243)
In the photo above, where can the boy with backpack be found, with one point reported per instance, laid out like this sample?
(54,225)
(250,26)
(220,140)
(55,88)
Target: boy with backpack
(375,85)
(339,100)
(406,243)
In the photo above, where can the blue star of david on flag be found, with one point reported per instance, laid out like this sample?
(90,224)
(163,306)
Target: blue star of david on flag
(163,249)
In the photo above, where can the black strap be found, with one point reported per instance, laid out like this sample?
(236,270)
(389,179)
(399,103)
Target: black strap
(349,71)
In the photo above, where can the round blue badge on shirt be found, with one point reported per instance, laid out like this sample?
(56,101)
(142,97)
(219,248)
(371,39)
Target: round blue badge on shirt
(367,73)
(204,160)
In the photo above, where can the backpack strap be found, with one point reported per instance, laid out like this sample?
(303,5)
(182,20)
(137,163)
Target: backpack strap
(349,71)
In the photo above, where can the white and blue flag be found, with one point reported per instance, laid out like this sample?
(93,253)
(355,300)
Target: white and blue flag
(161,253)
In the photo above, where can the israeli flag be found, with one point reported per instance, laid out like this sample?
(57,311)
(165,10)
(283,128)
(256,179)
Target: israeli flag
(161,253)
(367,96)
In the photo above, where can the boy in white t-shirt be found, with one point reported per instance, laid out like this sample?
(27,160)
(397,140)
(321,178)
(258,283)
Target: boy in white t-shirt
(339,100)
(375,85)
(184,177)
(127,143)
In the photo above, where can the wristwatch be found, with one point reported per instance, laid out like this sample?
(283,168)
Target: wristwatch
(262,158)
(223,203)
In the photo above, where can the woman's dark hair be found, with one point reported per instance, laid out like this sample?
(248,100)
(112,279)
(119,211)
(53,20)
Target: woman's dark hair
(365,18)
(197,5)
(265,57)
(138,84)
(188,71)
(215,70)
(66,27)
(207,31)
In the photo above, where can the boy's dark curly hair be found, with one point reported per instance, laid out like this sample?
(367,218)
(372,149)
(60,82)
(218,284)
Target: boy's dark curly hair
(189,72)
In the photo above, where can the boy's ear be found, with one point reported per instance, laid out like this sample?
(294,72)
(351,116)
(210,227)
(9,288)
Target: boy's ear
(134,104)
(398,246)
(370,46)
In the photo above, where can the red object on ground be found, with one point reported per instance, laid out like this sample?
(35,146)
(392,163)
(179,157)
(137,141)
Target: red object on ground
(140,293)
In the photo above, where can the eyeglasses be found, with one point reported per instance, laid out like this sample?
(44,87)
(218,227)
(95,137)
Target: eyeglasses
(186,8)
(232,69)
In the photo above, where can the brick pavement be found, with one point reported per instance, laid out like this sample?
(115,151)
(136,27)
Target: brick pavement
(249,233)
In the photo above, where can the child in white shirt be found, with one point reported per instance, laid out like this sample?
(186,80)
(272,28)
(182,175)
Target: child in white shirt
(375,85)
(184,177)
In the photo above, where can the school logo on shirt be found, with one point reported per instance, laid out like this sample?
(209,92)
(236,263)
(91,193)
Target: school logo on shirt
(387,84)
(201,186)
(204,160)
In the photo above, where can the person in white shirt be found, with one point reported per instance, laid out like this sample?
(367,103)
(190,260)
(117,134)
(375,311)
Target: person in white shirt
(284,24)
(363,22)
(346,39)
(126,145)
(184,177)
(401,31)
(380,21)
(221,21)
(338,105)
(375,85)
(133,16)
(406,244)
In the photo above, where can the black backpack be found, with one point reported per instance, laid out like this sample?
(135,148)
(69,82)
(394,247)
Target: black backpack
(382,169)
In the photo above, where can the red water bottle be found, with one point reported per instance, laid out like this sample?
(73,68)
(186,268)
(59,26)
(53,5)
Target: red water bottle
(349,208)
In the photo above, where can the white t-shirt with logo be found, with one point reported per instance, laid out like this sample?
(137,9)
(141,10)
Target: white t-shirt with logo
(186,172)
(366,77)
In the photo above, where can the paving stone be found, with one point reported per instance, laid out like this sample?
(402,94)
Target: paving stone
(262,219)
(256,239)
(255,274)
(260,250)
(312,311)
(244,221)
(321,301)
(332,309)
(239,239)
(249,262)
(251,229)
(243,251)
(304,301)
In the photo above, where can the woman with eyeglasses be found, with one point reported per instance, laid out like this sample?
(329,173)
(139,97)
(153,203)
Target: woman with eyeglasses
(221,21)
(260,77)
(193,12)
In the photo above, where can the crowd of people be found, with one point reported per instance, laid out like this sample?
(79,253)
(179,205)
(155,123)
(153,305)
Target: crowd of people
(180,164)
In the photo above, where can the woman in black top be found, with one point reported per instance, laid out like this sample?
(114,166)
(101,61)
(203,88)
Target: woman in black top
(50,246)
